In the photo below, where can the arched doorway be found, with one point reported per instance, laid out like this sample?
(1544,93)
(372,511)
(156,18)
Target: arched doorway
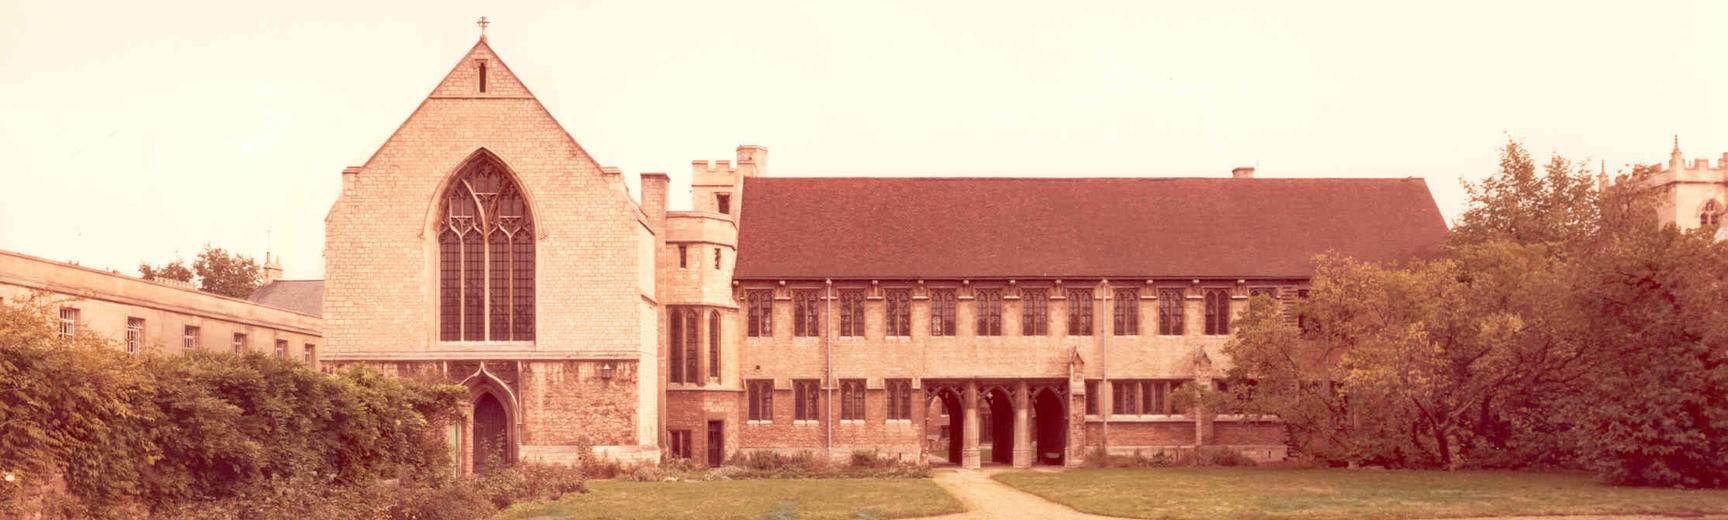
(948,432)
(1001,425)
(491,434)
(1050,430)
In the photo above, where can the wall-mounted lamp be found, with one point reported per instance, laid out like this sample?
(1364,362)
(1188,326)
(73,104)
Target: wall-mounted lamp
(606,370)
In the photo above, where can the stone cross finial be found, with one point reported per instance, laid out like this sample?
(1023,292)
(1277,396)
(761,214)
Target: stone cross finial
(483,23)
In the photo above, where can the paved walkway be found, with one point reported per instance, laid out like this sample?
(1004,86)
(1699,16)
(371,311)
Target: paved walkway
(985,498)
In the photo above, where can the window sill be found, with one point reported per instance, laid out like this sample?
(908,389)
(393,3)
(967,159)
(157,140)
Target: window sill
(1117,418)
(805,422)
(897,338)
(758,422)
(483,344)
(851,421)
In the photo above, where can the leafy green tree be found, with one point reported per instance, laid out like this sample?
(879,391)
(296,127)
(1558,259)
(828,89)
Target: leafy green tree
(227,274)
(1655,411)
(1520,205)
(1561,325)
(175,270)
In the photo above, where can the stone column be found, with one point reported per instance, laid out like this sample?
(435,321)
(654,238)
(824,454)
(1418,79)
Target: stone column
(1077,440)
(969,438)
(1022,427)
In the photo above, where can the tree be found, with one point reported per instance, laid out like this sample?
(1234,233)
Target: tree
(1390,366)
(1655,412)
(1561,325)
(175,270)
(227,274)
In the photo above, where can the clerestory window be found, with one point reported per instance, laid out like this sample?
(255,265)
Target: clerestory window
(486,257)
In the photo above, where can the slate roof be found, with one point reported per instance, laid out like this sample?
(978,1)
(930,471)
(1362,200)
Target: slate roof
(296,295)
(848,227)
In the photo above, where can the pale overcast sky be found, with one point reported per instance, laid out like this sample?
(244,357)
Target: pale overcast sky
(142,130)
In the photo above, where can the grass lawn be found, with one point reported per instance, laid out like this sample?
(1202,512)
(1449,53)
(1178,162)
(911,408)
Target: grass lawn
(1206,493)
(775,499)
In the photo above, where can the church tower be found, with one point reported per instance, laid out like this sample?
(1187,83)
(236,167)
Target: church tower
(483,246)
(1691,194)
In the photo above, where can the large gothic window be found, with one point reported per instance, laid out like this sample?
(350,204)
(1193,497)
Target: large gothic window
(1711,215)
(486,257)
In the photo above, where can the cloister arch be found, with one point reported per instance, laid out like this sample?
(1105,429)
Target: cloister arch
(1050,427)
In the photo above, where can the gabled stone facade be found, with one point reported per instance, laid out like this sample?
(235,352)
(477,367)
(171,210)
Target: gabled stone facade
(590,370)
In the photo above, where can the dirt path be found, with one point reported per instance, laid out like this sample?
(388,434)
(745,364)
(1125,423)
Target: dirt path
(985,498)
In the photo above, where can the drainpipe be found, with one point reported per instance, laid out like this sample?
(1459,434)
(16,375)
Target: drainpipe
(1104,368)
(828,367)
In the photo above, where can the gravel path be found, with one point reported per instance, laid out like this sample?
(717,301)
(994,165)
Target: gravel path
(985,498)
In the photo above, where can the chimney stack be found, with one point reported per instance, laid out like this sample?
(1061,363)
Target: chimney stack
(1244,172)
(654,188)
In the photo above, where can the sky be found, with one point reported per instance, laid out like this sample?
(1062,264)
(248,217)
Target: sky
(141,131)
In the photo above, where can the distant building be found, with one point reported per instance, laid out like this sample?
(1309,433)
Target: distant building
(1692,194)
(482,245)
(168,317)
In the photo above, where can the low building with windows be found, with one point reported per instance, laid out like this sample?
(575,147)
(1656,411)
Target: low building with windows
(957,320)
(167,317)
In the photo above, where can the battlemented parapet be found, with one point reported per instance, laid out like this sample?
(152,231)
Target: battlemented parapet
(1692,194)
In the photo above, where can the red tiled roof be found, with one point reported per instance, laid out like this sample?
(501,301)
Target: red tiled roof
(815,227)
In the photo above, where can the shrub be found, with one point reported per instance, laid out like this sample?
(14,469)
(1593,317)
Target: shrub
(757,460)
(1213,456)
(871,459)
(294,498)
(1095,458)
(188,432)
(646,474)
(525,482)
(725,473)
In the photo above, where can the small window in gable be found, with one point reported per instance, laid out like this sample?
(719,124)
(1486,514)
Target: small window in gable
(482,75)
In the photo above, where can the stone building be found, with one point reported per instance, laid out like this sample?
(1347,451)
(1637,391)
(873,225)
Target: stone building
(167,316)
(966,320)
(1691,194)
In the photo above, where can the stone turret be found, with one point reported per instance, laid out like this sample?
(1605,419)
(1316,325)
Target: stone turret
(272,268)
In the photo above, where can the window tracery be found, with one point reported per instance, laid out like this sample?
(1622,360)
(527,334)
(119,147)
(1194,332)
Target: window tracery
(486,257)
